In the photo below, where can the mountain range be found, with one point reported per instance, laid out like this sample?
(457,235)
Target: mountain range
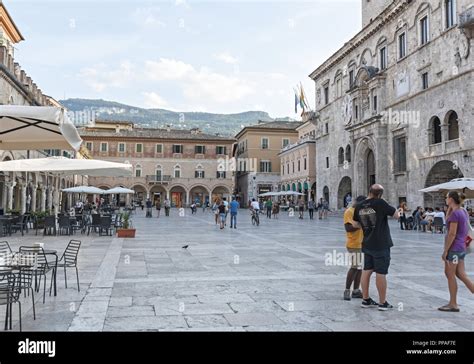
(223,124)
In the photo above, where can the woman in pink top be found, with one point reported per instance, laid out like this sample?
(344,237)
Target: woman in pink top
(455,249)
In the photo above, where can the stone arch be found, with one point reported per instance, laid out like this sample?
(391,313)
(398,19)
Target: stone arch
(158,193)
(441,172)
(326,195)
(345,188)
(435,135)
(452,123)
(340,156)
(141,192)
(220,191)
(366,175)
(199,194)
(348,154)
(178,193)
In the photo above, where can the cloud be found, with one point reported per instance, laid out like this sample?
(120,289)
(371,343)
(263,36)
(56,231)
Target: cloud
(148,16)
(100,77)
(226,58)
(200,84)
(168,69)
(154,101)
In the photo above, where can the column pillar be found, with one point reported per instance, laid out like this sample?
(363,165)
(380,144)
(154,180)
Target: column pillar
(5,196)
(50,199)
(33,198)
(23,199)
(187,198)
(43,199)
(11,186)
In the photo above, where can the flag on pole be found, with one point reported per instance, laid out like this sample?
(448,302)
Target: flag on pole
(297,101)
(303,98)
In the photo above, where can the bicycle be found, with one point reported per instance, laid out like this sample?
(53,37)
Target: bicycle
(255,218)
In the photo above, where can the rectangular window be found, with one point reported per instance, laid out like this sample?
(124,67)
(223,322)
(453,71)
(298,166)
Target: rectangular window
(351,78)
(265,166)
(199,174)
(200,149)
(450,13)
(89,146)
(305,164)
(288,168)
(220,150)
(139,148)
(121,147)
(402,46)
(383,58)
(424,80)
(177,149)
(159,148)
(375,101)
(285,142)
(220,175)
(265,143)
(177,173)
(326,128)
(327,162)
(326,95)
(104,147)
(400,153)
(138,172)
(424,33)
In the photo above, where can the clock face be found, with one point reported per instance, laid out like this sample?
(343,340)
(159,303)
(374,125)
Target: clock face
(347,109)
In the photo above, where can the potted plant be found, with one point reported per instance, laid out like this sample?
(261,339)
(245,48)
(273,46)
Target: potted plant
(127,230)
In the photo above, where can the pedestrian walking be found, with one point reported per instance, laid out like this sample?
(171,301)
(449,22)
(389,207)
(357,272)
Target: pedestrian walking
(158,208)
(372,216)
(268,206)
(234,210)
(455,248)
(167,207)
(149,206)
(311,206)
(222,214)
(301,206)
(276,210)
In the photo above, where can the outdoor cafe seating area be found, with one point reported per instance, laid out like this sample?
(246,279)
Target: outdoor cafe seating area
(78,221)
(30,271)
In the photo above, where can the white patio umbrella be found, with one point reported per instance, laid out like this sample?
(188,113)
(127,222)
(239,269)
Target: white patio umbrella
(85,189)
(66,166)
(119,190)
(465,185)
(37,127)
(290,193)
(268,194)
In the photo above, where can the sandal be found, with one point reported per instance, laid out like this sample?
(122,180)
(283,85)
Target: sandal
(448,308)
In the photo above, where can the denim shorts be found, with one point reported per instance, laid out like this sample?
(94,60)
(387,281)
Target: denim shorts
(456,256)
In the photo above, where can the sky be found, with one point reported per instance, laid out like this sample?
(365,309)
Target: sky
(182,55)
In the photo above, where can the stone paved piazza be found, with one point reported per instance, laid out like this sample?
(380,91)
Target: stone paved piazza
(271,278)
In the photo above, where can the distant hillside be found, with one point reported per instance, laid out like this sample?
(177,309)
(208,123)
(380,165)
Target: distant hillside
(224,124)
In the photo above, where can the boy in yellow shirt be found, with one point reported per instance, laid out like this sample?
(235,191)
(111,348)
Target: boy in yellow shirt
(354,237)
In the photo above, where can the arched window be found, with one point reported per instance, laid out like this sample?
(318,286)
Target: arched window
(138,170)
(348,154)
(177,171)
(435,130)
(453,125)
(340,156)
(199,172)
(159,173)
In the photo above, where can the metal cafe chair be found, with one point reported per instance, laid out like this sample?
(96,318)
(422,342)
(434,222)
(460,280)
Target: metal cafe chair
(69,260)
(49,225)
(9,294)
(95,224)
(41,266)
(105,225)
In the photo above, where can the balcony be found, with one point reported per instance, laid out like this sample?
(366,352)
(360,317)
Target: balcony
(158,180)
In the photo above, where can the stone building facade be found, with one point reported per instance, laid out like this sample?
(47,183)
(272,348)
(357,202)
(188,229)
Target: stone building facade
(181,165)
(22,191)
(394,104)
(257,157)
(297,163)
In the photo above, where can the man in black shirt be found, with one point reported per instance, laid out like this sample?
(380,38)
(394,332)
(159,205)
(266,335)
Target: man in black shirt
(372,216)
